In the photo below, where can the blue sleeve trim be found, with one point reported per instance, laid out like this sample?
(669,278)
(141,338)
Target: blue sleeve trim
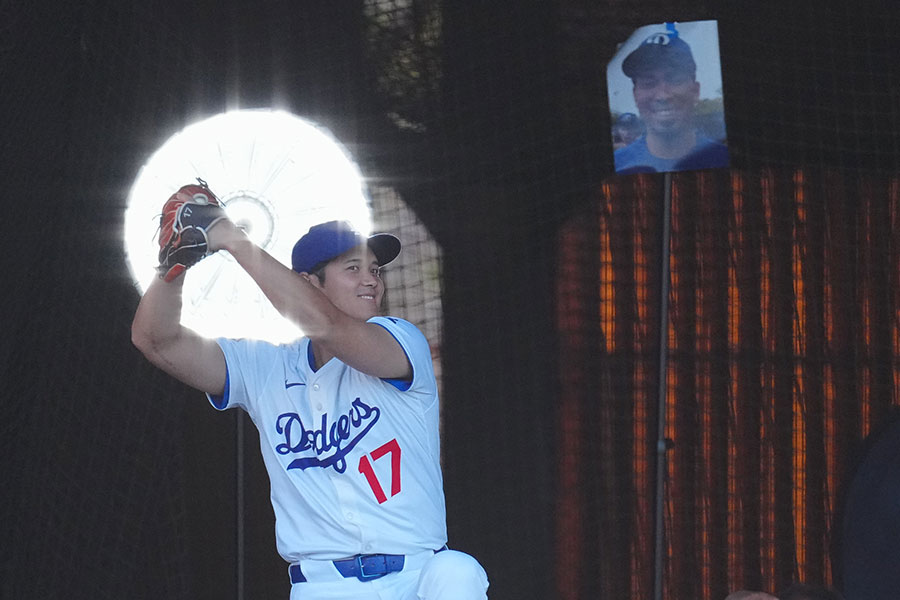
(221,402)
(400,384)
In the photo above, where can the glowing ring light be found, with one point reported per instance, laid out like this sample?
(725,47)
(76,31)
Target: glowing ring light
(277,175)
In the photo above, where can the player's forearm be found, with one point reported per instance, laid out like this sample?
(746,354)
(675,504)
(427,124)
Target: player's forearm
(289,292)
(157,319)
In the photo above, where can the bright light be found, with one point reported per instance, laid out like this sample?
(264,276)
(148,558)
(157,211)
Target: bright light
(277,175)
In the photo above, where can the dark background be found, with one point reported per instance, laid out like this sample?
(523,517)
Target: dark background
(119,482)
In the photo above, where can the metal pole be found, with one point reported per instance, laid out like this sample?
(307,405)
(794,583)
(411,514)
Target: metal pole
(239,504)
(661,442)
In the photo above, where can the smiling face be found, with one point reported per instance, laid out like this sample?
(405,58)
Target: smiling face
(352,281)
(666,98)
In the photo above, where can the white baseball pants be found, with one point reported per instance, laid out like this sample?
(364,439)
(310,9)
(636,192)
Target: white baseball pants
(447,575)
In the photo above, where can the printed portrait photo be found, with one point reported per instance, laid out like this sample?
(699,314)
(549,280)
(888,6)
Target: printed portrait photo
(666,100)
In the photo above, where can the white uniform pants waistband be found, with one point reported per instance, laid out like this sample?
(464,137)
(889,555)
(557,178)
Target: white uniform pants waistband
(317,570)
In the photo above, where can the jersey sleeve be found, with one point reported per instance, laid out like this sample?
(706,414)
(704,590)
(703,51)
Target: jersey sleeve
(418,352)
(249,363)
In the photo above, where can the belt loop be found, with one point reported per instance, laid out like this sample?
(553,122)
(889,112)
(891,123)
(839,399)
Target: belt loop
(296,574)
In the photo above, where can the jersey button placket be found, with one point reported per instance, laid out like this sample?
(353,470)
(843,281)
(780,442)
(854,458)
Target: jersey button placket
(320,400)
(316,397)
(347,502)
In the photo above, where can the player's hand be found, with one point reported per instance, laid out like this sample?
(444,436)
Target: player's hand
(223,234)
(186,218)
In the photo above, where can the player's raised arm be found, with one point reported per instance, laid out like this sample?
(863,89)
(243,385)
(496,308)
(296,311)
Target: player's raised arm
(333,289)
(156,330)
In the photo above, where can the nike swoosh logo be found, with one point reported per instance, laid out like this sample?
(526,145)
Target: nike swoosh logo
(290,385)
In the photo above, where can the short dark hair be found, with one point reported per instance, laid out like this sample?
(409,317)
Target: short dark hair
(319,269)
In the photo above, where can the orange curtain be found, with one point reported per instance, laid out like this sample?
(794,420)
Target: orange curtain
(783,351)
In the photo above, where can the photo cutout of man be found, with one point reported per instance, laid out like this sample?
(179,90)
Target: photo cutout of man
(666,92)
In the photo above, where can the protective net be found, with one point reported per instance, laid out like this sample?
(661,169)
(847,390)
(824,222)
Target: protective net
(535,271)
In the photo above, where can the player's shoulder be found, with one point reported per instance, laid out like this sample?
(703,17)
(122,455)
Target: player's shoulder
(390,322)
(260,350)
(261,344)
(402,330)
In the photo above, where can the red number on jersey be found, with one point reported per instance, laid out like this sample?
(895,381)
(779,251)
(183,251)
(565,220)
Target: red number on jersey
(365,467)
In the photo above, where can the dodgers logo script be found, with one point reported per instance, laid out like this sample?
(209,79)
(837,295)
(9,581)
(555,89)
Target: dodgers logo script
(331,442)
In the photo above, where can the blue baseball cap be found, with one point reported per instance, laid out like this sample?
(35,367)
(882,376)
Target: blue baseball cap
(664,49)
(329,240)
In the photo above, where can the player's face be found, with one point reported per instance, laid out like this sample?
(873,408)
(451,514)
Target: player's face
(666,98)
(353,283)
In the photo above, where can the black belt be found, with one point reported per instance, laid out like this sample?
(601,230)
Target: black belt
(364,567)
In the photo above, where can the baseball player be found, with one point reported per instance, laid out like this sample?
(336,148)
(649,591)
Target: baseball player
(347,416)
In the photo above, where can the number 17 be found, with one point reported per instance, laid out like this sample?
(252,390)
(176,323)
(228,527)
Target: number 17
(365,467)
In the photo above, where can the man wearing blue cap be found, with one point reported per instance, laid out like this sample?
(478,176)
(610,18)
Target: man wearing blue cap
(666,92)
(347,416)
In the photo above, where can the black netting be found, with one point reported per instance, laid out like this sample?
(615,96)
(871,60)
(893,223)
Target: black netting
(484,131)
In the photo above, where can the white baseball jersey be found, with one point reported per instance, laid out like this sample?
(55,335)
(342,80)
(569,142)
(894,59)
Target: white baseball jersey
(353,460)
